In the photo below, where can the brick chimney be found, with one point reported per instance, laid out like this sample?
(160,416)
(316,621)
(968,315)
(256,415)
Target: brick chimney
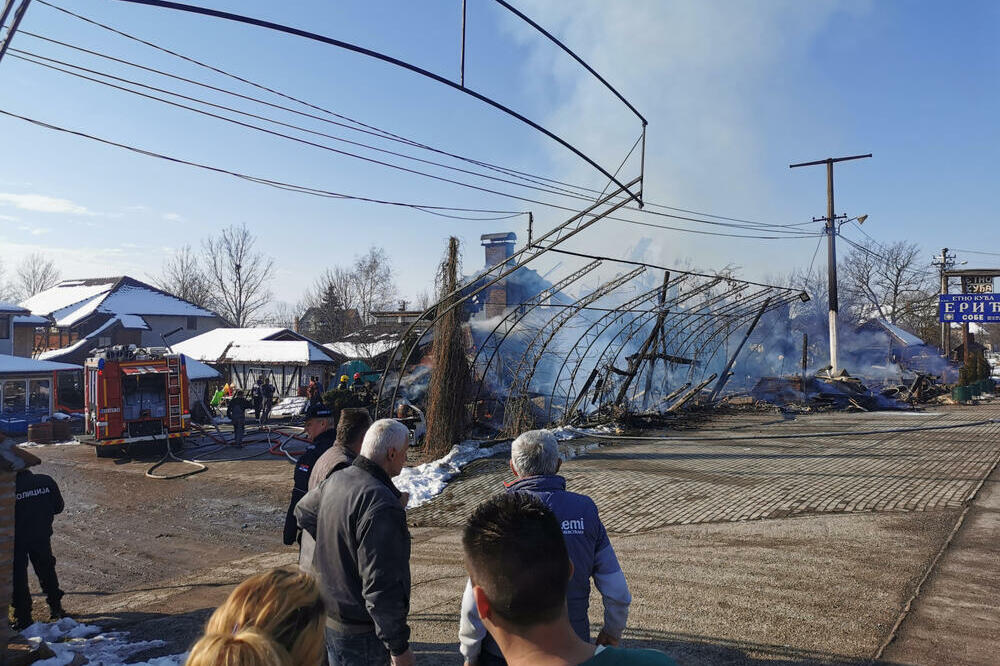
(499,248)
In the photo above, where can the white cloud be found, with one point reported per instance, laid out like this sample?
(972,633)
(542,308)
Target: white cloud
(43,204)
(172,217)
(707,75)
(34,231)
(9,218)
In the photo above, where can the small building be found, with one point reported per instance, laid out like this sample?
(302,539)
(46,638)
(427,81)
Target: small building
(31,390)
(243,355)
(12,330)
(375,343)
(100,312)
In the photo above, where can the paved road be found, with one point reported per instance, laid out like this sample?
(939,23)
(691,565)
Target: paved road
(802,549)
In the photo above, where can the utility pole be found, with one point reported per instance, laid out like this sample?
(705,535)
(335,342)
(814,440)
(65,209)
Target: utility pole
(18,15)
(831,249)
(945,262)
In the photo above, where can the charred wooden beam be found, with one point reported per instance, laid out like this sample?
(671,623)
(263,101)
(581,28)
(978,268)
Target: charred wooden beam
(690,394)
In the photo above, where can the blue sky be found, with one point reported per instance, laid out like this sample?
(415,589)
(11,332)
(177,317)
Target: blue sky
(734,92)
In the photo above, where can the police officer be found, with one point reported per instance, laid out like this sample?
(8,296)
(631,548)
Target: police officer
(37,501)
(320,431)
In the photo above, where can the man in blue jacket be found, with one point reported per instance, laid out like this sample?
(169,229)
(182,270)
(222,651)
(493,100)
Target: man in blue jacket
(534,459)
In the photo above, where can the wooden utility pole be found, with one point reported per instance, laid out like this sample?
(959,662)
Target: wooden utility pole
(831,249)
(945,262)
(18,15)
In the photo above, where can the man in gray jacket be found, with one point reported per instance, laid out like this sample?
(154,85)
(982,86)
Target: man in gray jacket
(362,556)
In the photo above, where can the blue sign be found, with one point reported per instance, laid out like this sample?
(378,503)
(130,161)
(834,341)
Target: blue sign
(963,308)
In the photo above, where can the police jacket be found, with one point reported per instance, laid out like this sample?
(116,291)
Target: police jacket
(592,556)
(362,558)
(303,469)
(36,502)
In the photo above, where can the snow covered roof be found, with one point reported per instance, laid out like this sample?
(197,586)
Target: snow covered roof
(133,321)
(18,364)
(197,371)
(253,345)
(356,350)
(71,301)
(89,339)
(29,319)
(902,335)
(12,308)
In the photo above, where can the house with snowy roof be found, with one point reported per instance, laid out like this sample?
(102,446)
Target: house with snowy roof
(97,312)
(244,355)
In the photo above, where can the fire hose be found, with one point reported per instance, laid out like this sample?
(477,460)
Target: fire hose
(221,442)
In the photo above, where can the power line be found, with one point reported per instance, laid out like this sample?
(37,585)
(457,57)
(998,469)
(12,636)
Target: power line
(631,262)
(370,129)
(362,157)
(989,254)
(302,189)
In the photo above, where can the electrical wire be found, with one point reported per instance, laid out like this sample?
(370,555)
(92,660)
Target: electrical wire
(302,189)
(375,130)
(990,254)
(355,155)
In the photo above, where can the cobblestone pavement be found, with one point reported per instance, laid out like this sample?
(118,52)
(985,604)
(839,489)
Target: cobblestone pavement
(778,468)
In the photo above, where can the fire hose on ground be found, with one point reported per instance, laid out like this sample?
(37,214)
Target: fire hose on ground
(221,442)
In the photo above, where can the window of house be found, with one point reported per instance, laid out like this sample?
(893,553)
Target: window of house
(70,385)
(104,341)
(192,323)
(14,392)
(38,394)
(4,328)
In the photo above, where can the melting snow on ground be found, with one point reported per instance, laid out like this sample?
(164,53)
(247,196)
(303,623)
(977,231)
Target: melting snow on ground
(68,638)
(31,445)
(424,482)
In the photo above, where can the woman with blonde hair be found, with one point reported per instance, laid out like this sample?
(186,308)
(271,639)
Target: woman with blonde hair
(271,619)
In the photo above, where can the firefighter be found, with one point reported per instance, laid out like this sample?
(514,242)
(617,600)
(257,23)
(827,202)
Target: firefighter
(320,430)
(342,386)
(267,398)
(236,413)
(37,501)
(257,398)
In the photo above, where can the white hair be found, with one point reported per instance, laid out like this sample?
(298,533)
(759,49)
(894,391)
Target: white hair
(383,435)
(535,452)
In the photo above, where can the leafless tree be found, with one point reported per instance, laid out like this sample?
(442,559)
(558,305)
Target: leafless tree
(6,288)
(35,274)
(331,305)
(240,275)
(373,283)
(366,285)
(182,275)
(888,281)
(423,300)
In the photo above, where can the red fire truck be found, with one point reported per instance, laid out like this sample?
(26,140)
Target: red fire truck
(135,395)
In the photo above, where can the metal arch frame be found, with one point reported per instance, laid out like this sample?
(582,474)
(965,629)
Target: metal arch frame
(677,325)
(637,321)
(519,386)
(518,317)
(522,257)
(742,317)
(708,317)
(728,313)
(612,318)
(572,312)
(270,25)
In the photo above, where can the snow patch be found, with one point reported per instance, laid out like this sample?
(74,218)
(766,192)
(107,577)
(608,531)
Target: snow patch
(68,638)
(424,482)
(32,445)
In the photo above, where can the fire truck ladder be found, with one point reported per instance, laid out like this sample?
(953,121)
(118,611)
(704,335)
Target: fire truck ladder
(175,418)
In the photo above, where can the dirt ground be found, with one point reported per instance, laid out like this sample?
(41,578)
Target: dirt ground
(785,563)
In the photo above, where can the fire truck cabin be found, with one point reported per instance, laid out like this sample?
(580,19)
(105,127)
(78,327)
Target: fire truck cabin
(135,395)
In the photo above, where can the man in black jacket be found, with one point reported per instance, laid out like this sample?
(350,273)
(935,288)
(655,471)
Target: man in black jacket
(36,502)
(362,558)
(319,430)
